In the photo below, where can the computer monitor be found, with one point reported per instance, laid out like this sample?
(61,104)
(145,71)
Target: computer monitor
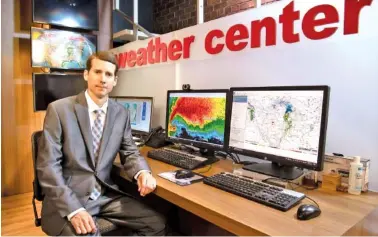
(51,87)
(140,112)
(81,14)
(60,49)
(197,118)
(284,125)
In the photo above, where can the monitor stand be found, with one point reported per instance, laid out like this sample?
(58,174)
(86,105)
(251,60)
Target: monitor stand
(209,154)
(275,170)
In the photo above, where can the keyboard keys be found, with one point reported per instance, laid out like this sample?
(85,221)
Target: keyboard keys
(279,198)
(178,158)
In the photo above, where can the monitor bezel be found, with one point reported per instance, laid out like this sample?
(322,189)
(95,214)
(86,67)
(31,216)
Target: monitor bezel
(58,68)
(195,143)
(34,90)
(115,98)
(62,25)
(318,166)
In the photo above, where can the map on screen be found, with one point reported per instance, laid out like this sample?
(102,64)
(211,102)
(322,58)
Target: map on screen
(284,123)
(197,117)
(61,49)
(140,110)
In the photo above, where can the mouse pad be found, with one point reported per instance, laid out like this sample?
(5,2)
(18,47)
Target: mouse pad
(182,182)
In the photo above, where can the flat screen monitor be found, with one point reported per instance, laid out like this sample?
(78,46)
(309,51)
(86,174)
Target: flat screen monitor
(197,118)
(48,88)
(81,14)
(61,49)
(285,125)
(140,112)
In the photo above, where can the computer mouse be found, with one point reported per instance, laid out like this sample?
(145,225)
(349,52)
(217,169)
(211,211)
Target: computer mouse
(183,174)
(307,212)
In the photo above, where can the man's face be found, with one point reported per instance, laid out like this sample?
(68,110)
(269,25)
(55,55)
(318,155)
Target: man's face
(100,78)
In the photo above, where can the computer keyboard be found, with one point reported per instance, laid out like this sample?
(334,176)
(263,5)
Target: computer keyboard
(179,159)
(279,198)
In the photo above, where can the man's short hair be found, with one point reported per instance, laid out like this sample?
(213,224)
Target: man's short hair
(104,56)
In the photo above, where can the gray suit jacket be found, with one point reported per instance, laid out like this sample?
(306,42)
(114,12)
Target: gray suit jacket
(66,165)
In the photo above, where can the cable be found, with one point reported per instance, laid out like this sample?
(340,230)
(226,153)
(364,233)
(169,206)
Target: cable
(234,158)
(45,70)
(202,172)
(222,154)
(246,162)
(225,154)
(238,157)
(231,156)
(313,201)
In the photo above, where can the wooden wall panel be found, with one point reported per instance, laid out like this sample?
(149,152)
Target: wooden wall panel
(18,172)
(8,144)
(27,121)
(25,20)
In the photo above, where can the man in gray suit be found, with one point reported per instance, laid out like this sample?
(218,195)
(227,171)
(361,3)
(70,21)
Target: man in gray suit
(81,137)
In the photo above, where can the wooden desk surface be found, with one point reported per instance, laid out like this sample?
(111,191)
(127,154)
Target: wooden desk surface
(340,211)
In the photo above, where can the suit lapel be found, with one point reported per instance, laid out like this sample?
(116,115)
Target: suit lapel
(108,127)
(81,110)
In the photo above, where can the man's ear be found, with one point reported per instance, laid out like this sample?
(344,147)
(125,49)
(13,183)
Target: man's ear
(86,75)
(115,80)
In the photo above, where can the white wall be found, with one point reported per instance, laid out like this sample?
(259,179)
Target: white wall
(348,64)
(146,82)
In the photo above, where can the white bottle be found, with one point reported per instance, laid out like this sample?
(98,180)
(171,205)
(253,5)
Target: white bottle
(355,176)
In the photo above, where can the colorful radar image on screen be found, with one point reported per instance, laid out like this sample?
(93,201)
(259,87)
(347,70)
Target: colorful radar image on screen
(61,49)
(199,117)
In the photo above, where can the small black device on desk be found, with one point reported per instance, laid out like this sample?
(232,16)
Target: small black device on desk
(182,177)
(307,212)
(278,198)
(156,138)
(184,174)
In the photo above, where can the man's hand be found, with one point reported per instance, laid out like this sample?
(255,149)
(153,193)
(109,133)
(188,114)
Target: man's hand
(146,183)
(83,223)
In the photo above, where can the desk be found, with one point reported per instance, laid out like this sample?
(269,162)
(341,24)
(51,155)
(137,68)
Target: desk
(340,211)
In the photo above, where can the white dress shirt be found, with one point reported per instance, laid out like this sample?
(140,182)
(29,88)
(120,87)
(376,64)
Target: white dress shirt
(92,106)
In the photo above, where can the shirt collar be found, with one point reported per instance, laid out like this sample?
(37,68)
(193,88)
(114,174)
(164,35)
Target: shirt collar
(92,106)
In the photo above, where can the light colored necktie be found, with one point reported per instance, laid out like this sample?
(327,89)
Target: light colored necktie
(97,128)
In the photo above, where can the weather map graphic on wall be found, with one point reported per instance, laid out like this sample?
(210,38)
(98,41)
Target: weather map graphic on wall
(198,118)
(61,49)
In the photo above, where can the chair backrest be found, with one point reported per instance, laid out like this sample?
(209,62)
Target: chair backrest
(36,187)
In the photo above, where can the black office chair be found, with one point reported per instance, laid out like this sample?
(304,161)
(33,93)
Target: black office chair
(106,227)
